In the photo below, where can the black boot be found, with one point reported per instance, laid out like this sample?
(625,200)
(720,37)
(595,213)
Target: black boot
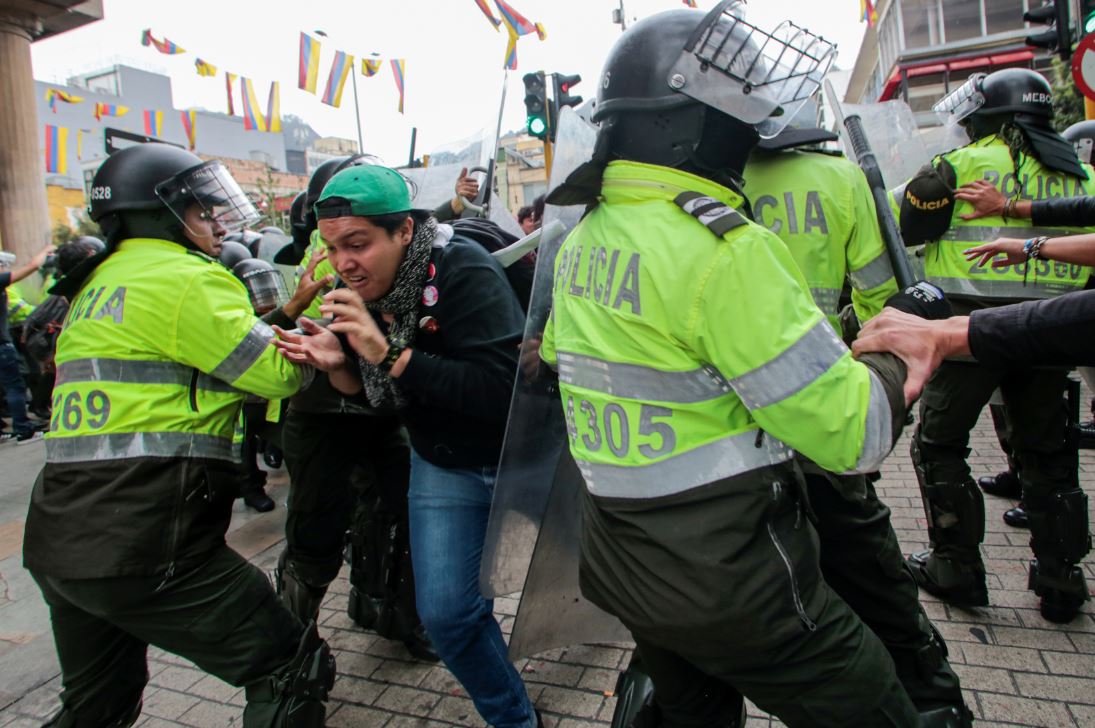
(955,582)
(420,646)
(1005,485)
(257,499)
(1017,517)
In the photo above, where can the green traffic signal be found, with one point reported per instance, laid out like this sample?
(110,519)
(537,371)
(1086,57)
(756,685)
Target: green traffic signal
(1089,24)
(537,125)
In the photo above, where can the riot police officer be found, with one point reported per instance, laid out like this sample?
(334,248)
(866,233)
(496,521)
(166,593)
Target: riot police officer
(693,363)
(820,205)
(125,532)
(1007,116)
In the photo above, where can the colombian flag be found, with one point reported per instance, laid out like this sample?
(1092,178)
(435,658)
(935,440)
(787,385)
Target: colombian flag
(229,81)
(690,3)
(273,108)
(54,95)
(370,66)
(867,12)
(102,110)
(153,122)
(205,68)
(486,11)
(399,67)
(309,63)
(189,122)
(163,46)
(340,69)
(516,25)
(252,114)
(56,149)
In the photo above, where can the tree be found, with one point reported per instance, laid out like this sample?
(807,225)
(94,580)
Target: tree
(84,226)
(1068,103)
(267,202)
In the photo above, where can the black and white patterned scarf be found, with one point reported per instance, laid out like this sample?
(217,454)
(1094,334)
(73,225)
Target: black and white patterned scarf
(402,300)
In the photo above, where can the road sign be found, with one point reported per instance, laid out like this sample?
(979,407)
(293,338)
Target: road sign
(1083,66)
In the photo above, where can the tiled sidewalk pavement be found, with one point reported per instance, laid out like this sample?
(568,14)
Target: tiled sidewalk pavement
(1017,668)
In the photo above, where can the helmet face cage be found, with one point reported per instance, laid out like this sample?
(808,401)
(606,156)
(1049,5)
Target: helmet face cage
(212,188)
(964,100)
(266,289)
(772,75)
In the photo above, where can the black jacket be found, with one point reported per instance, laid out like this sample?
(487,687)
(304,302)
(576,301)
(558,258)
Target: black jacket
(1058,330)
(459,379)
(1069,211)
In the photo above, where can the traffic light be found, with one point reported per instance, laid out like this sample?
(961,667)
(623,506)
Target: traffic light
(536,104)
(1059,36)
(561,86)
(1087,17)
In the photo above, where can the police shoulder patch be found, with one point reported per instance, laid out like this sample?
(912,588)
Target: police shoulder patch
(719,217)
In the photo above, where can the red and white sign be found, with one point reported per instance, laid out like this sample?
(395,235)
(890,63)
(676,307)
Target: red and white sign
(1083,66)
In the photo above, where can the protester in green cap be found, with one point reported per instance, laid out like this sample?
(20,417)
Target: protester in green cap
(435,328)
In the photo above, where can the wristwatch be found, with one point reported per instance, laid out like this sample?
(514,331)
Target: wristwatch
(396,347)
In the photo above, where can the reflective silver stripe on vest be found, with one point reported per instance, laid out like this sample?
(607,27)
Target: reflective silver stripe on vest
(129,445)
(877,430)
(134,371)
(827,299)
(246,353)
(988,233)
(872,275)
(723,458)
(793,370)
(1011,290)
(632,381)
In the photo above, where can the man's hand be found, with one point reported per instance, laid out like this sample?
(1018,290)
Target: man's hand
(350,317)
(985,198)
(1012,248)
(920,343)
(308,287)
(466,187)
(318,346)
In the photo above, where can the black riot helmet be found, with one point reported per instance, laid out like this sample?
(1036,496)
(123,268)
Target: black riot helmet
(1082,136)
(292,253)
(232,252)
(695,91)
(987,103)
(264,283)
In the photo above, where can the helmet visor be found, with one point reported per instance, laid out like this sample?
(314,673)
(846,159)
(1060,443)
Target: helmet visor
(266,289)
(964,100)
(758,77)
(213,189)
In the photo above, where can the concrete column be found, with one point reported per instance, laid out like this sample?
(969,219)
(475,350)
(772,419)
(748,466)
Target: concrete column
(24,214)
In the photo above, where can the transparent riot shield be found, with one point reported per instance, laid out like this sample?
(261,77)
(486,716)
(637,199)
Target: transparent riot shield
(900,146)
(532,537)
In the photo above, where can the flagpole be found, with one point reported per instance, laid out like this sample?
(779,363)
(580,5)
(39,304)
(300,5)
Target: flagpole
(497,137)
(357,109)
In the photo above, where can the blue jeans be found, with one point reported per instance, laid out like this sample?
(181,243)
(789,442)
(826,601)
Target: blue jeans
(14,388)
(448,518)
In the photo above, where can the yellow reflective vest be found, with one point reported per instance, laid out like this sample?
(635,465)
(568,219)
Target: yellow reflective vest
(945,265)
(821,206)
(158,350)
(689,349)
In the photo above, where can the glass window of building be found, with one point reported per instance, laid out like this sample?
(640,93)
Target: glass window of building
(920,19)
(961,19)
(1003,15)
(105,83)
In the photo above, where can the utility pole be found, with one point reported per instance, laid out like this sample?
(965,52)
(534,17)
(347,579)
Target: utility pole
(619,16)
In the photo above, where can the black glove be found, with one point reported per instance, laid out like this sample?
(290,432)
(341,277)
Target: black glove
(922,299)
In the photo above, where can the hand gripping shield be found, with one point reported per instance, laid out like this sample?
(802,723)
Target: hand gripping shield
(756,76)
(532,535)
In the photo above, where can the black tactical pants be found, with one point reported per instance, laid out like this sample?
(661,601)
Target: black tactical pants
(862,561)
(321,453)
(1037,423)
(222,615)
(723,593)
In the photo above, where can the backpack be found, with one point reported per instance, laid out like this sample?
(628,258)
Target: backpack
(42,327)
(492,237)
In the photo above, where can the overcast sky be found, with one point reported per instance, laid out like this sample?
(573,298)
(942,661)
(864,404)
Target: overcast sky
(454,58)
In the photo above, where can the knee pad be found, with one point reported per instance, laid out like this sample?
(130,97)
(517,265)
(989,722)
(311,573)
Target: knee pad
(295,697)
(1059,526)
(299,596)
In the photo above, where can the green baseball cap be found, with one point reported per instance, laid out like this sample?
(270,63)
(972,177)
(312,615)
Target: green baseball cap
(362,191)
